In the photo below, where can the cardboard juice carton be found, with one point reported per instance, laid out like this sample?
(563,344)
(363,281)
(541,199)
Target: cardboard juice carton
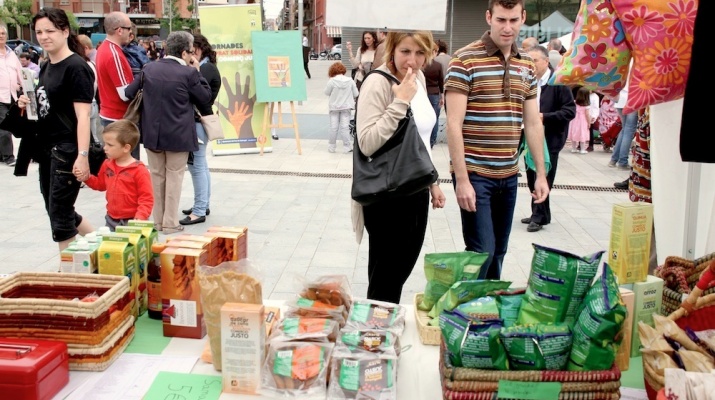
(182,314)
(648,300)
(118,257)
(629,248)
(623,356)
(243,339)
(209,244)
(142,252)
(231,244)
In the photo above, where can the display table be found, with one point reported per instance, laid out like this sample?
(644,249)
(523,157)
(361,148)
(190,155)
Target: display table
(418,366)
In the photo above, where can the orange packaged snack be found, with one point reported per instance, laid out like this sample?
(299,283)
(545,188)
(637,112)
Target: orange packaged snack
(306,329)
(296,369)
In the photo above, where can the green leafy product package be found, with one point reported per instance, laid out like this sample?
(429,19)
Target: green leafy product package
(442,270)
(463,291)
(472,343)
(557,284)
(509,303)
(537,347)
(599,328)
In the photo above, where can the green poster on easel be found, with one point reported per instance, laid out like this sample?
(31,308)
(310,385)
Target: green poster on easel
(278,66)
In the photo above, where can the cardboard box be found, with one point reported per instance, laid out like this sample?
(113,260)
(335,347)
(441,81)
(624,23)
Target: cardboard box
(623,356)
(243,340)
(182,314)
(648,300)
(118,257)
(143,256)
(629,248)
(231,245)
(208,243)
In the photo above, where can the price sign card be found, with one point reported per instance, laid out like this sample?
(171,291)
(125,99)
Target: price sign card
(172,385)
(528,390)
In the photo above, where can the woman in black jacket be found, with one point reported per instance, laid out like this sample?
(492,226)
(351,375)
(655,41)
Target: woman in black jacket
(199,168)
(173,86)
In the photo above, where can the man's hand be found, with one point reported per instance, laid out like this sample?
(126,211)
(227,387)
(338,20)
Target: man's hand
(541,190)
(466,197)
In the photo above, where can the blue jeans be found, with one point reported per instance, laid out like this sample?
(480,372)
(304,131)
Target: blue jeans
(622,148)
(434,100)
(135,151)
(487,230)
(200,175)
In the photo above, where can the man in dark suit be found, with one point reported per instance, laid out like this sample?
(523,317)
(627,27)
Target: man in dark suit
(557,108)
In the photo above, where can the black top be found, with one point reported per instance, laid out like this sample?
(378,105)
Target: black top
(60,86)
(557,104)
(212,75)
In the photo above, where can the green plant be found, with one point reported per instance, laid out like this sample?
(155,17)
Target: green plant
(16,13)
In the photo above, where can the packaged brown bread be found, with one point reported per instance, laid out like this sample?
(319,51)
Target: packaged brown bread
(330,289)
(302,307)
(360,375)
(306,329)
(373,314)
(229,282)
(296,369)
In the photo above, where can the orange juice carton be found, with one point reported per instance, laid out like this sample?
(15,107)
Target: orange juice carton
(143,255)
(117,257)
(182,314)
(629,248)
(80,257)
(648,300)
(243,339)
(231,245)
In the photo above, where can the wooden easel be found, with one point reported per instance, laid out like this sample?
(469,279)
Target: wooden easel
(268,123)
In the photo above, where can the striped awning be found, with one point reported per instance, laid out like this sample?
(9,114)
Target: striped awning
(334,31)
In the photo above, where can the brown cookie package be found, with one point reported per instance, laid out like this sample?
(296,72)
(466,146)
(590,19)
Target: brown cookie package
(361,375)
(372,314)
(370,340)
(329,289)
(296,369)
(306,330)
(303,307)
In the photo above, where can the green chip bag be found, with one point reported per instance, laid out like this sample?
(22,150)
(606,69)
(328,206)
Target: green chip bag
(598,330)
(463,291)
(471,343)
(509,303)
(479,307)
(442,270)
(537,347)
(557,284)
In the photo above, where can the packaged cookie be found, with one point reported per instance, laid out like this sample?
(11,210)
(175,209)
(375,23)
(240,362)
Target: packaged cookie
(362,376)
(372,314)
(331,289)
(296,369)
(306,330)
(369,340)
(302,307)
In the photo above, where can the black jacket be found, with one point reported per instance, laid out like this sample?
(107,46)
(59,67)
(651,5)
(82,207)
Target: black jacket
(559,108)
(171,91)
(26,130)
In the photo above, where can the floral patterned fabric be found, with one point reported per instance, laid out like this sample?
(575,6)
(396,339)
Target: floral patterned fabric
(660,33)
(599,57)
(639,188)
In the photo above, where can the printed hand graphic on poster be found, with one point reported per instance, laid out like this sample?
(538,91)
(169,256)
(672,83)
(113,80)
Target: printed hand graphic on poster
(279,71)
(240,109)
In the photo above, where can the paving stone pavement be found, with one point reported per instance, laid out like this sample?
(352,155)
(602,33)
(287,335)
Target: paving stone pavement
(297,209)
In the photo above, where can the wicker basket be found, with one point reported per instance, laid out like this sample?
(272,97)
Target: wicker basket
(429,335)
(679,277)
(702,318)
(477,384)
(45,306)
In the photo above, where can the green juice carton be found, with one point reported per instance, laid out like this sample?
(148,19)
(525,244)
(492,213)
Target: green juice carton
(143,256)
(117,257)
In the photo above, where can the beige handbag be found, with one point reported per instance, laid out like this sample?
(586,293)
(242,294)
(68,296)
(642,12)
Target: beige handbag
(212,126)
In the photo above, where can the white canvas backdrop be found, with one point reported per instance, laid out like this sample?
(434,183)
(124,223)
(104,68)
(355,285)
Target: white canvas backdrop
(676,186)
(428,15)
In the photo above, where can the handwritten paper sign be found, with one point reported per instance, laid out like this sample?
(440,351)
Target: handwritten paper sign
(175,386)
(528,390)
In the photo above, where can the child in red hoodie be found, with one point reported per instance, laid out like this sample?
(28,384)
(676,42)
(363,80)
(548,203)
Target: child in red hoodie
(126,180)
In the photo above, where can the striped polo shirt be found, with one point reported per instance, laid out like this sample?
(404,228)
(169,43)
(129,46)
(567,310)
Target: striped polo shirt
(495,100)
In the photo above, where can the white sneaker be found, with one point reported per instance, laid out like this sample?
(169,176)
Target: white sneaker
(583,152)
(348,150)
(574,150)
(331,149)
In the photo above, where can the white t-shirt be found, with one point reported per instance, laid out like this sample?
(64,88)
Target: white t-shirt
(424,115)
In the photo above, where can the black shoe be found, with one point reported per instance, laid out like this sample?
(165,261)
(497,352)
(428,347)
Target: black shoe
(533,227)
(10,161)
(621,185)
(189,221)
(526,220)
(275,137)
(190,210)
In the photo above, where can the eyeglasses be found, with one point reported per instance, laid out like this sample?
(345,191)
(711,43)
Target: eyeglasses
(129,28)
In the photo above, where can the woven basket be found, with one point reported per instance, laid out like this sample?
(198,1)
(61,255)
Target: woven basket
(477,384)
(101,357)
(702,318)
(429,335)
(679,276)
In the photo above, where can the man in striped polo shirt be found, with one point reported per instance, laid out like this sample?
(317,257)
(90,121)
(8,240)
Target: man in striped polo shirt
(491,91)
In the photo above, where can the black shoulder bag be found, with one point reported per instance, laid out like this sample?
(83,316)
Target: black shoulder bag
(401,167)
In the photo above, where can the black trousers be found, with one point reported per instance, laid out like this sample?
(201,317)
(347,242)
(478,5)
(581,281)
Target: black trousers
(397,231)
(305,66)
(541,213)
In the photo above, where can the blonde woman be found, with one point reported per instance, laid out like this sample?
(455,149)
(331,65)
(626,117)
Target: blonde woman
(398,223)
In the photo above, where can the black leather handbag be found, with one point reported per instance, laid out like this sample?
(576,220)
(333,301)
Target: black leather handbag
(401,167)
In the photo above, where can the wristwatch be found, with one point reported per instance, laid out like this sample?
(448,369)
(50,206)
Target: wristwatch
(84,153)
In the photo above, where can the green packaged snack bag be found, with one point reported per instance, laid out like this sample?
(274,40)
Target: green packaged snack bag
(463,291)
(454,326)
(442,270)
(557,284)
(598,330)
(509,303)
(471,343)
(537,347)
(478,308)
